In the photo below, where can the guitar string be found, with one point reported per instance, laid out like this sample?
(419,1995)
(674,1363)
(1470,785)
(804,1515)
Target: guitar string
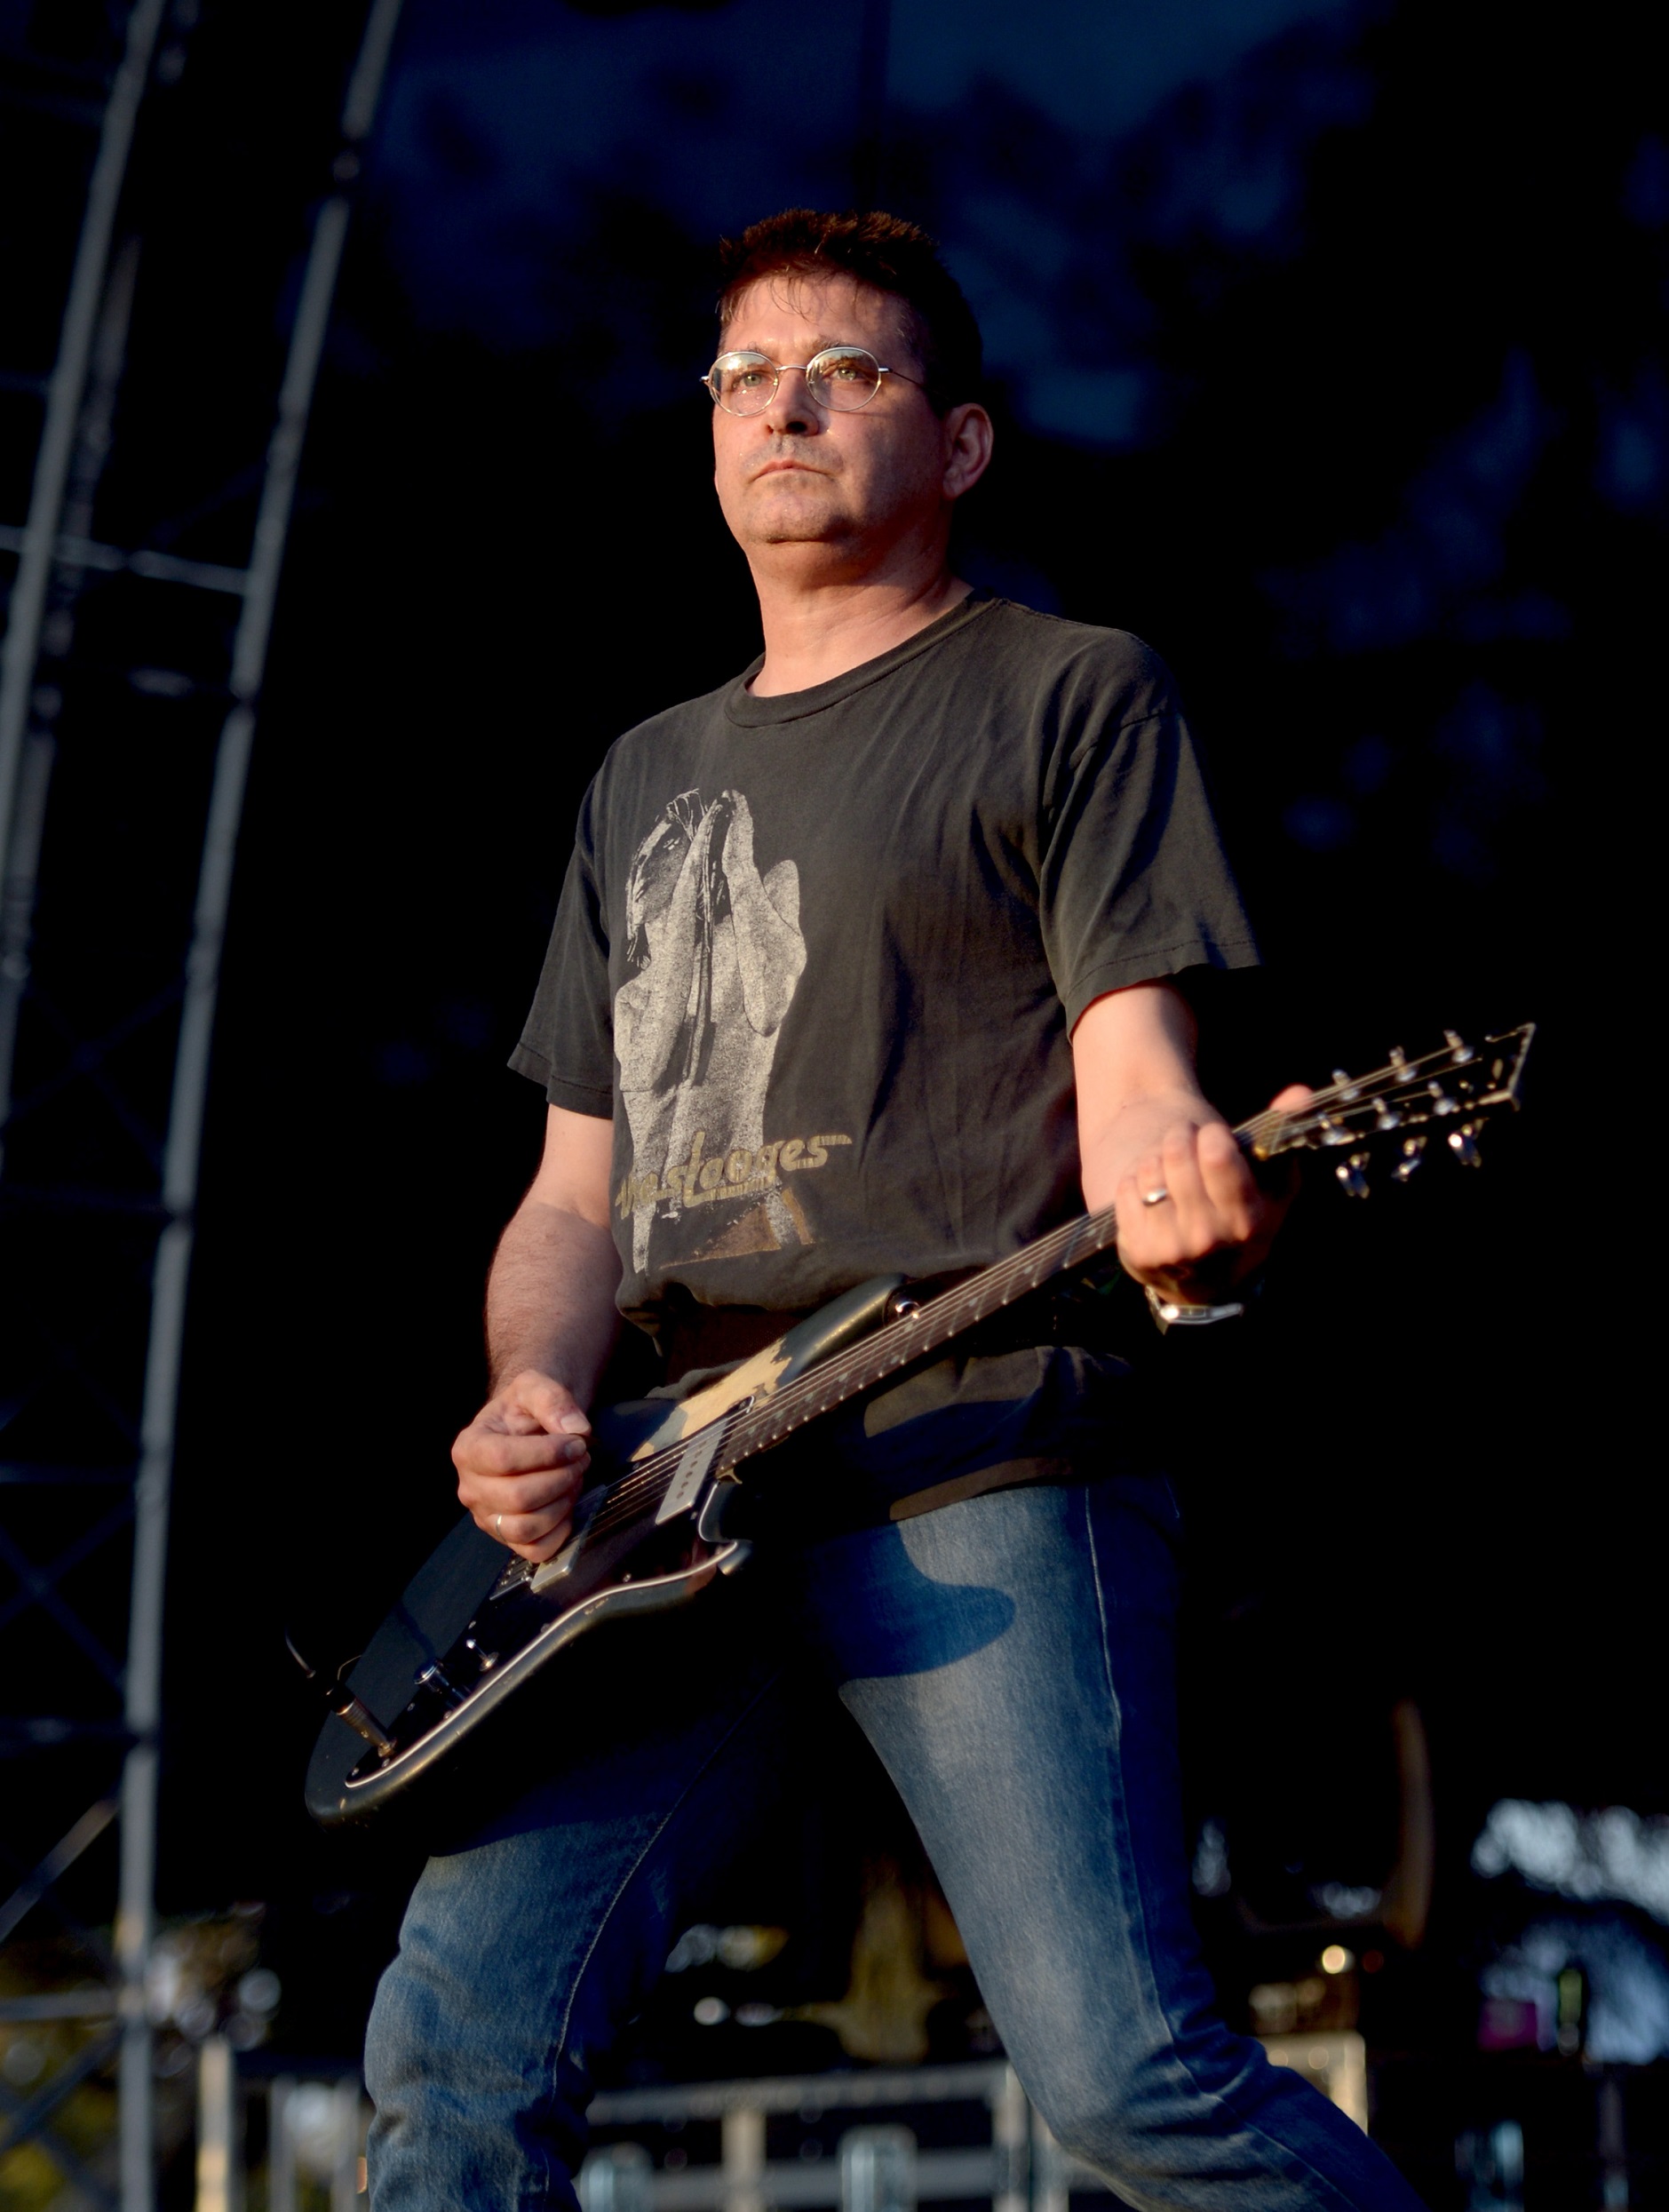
(658,1471)
(1296,1124)
(992,1290)
(1037,1253)
(932,1324)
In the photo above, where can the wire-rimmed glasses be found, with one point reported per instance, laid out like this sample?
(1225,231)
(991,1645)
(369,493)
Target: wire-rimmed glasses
(841,378)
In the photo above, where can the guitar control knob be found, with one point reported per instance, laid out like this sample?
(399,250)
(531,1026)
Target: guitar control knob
(433,1678)
(903,1306)
(1352,1179)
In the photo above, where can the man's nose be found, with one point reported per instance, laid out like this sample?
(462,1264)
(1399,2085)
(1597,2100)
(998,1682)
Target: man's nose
(791,411)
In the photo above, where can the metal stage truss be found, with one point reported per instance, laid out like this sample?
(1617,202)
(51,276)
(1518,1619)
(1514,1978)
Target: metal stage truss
(129,689)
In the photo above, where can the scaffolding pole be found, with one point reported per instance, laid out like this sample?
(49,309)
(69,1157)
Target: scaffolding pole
(171,1277)
(64,393)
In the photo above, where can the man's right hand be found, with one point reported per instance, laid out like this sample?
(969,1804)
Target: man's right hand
(521,1463)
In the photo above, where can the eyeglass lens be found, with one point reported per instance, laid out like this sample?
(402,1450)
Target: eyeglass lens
(843,378)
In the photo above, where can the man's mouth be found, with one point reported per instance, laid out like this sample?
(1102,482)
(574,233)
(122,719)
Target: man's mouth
(775,468)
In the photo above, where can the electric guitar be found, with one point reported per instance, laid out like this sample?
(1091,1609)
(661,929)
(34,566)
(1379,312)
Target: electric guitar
(649,1531)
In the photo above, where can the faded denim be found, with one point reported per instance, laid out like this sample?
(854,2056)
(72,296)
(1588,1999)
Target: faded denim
(1010,1658)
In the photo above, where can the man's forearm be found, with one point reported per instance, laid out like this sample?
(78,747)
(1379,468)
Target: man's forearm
(550,1299)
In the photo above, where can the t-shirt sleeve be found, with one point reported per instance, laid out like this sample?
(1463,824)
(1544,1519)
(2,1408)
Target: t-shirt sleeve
(567,1042)
(1134,884)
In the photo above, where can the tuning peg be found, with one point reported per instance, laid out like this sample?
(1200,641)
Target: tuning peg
(1413,1153)
(1387,1118)
(1462,1144)
(1459,1051)
(1351,1178)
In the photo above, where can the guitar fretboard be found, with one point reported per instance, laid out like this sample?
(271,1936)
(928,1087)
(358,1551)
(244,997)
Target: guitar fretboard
(952,1314)
(903,1342)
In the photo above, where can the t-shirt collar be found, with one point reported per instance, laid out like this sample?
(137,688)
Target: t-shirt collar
(749,713)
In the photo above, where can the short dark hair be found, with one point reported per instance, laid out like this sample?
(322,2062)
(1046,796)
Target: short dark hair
(888,254)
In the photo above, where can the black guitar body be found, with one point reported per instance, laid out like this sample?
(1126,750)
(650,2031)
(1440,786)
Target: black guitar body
(470,1630)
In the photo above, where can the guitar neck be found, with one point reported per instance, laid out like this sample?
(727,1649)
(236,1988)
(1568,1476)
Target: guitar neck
(939,1321)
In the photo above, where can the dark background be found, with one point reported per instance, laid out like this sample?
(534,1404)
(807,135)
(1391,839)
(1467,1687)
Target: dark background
(1325,342)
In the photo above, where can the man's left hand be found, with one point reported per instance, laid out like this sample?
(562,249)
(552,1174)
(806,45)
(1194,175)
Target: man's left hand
(1215,1221)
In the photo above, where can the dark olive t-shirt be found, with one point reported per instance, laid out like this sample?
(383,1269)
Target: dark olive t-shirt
(819,955)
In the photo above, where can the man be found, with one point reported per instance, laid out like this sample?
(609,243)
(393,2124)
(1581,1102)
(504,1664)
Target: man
(864,963)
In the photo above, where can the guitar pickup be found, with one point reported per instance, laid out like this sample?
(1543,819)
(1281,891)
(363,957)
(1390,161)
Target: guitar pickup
(699,1454)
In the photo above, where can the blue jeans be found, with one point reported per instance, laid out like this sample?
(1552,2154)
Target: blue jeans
(1010,1658)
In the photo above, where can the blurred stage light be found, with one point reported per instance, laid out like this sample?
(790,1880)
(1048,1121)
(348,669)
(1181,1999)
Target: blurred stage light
(1587,1856)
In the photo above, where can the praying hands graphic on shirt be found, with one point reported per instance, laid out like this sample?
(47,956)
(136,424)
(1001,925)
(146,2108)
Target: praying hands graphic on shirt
(717,954)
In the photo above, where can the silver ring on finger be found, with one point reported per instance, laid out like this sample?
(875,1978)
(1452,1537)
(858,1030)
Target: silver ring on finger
(499,1526)
(1155,1198)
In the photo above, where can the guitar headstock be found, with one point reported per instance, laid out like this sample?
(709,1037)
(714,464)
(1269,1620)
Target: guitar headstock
(1401,1108)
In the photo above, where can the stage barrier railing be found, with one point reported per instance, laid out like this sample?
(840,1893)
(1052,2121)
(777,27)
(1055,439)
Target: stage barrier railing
(306,2147)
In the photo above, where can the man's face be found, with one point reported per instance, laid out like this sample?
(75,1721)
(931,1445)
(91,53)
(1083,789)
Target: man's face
(799,475)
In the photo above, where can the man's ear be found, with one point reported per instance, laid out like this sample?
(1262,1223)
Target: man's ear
(968,437)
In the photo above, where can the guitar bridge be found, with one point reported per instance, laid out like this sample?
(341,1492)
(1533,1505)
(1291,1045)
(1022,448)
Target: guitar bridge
(514,1576)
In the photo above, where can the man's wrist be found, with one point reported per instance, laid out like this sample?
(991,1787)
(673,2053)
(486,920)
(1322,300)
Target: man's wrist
(548,1371)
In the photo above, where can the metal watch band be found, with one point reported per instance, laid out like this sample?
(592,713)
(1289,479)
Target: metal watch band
(1168,1313)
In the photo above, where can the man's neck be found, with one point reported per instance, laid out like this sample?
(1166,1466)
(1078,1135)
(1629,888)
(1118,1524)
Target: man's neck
(813,636)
